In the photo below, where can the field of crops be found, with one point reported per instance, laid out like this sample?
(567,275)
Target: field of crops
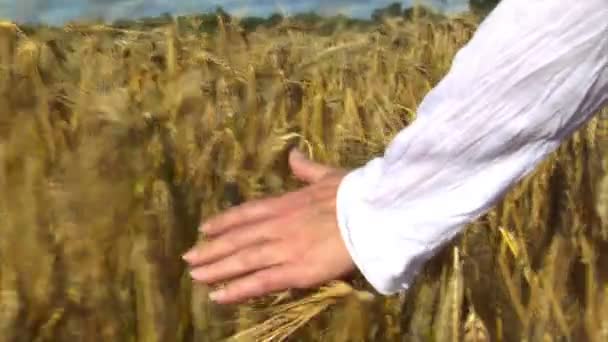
(116,143)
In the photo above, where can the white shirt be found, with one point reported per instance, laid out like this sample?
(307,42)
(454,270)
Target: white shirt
(534,72)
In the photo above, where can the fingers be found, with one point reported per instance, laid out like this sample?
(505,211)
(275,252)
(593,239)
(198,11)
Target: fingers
(306,170)
(255,211)
(258,284)
(244,262)
(228,244)
(303,168)
(248,212)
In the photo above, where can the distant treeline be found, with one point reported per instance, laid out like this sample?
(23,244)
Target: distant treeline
(208,22)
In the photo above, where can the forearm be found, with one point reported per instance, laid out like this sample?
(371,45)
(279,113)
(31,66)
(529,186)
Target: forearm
(532,74)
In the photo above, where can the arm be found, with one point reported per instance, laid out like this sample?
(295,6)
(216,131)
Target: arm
(534,72)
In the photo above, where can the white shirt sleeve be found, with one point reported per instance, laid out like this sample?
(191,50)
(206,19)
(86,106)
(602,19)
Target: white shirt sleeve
(534,72)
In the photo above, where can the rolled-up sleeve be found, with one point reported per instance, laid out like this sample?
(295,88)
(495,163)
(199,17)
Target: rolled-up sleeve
(534,72)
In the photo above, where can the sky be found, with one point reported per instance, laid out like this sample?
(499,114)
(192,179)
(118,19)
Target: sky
(58,11)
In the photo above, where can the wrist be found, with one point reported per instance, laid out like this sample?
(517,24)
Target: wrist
(359,236)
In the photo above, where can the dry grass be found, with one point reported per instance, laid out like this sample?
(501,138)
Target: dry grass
(115,143)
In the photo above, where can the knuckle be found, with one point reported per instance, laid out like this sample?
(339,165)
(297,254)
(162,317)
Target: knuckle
(302,278)
(266,282)
(301,282)
(290,255)
(270,255)
(271,231)
(256,258)
(237,239)
(225,246)
(238,264)
(301,243)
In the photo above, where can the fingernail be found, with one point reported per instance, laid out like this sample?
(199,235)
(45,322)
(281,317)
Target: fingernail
(217,295)
(197,274)
(189,256)
(203,228)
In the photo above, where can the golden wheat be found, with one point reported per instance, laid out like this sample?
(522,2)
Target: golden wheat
(116,143)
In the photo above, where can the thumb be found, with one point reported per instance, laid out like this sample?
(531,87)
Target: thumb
(306,170)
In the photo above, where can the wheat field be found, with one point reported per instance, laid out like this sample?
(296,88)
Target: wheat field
(115,143)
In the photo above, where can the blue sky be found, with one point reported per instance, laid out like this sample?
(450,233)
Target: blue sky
(58,11)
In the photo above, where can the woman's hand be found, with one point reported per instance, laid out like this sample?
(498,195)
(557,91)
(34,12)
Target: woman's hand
(270,245)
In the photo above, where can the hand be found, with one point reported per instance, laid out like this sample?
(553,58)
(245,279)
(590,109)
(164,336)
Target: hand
(271,245)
